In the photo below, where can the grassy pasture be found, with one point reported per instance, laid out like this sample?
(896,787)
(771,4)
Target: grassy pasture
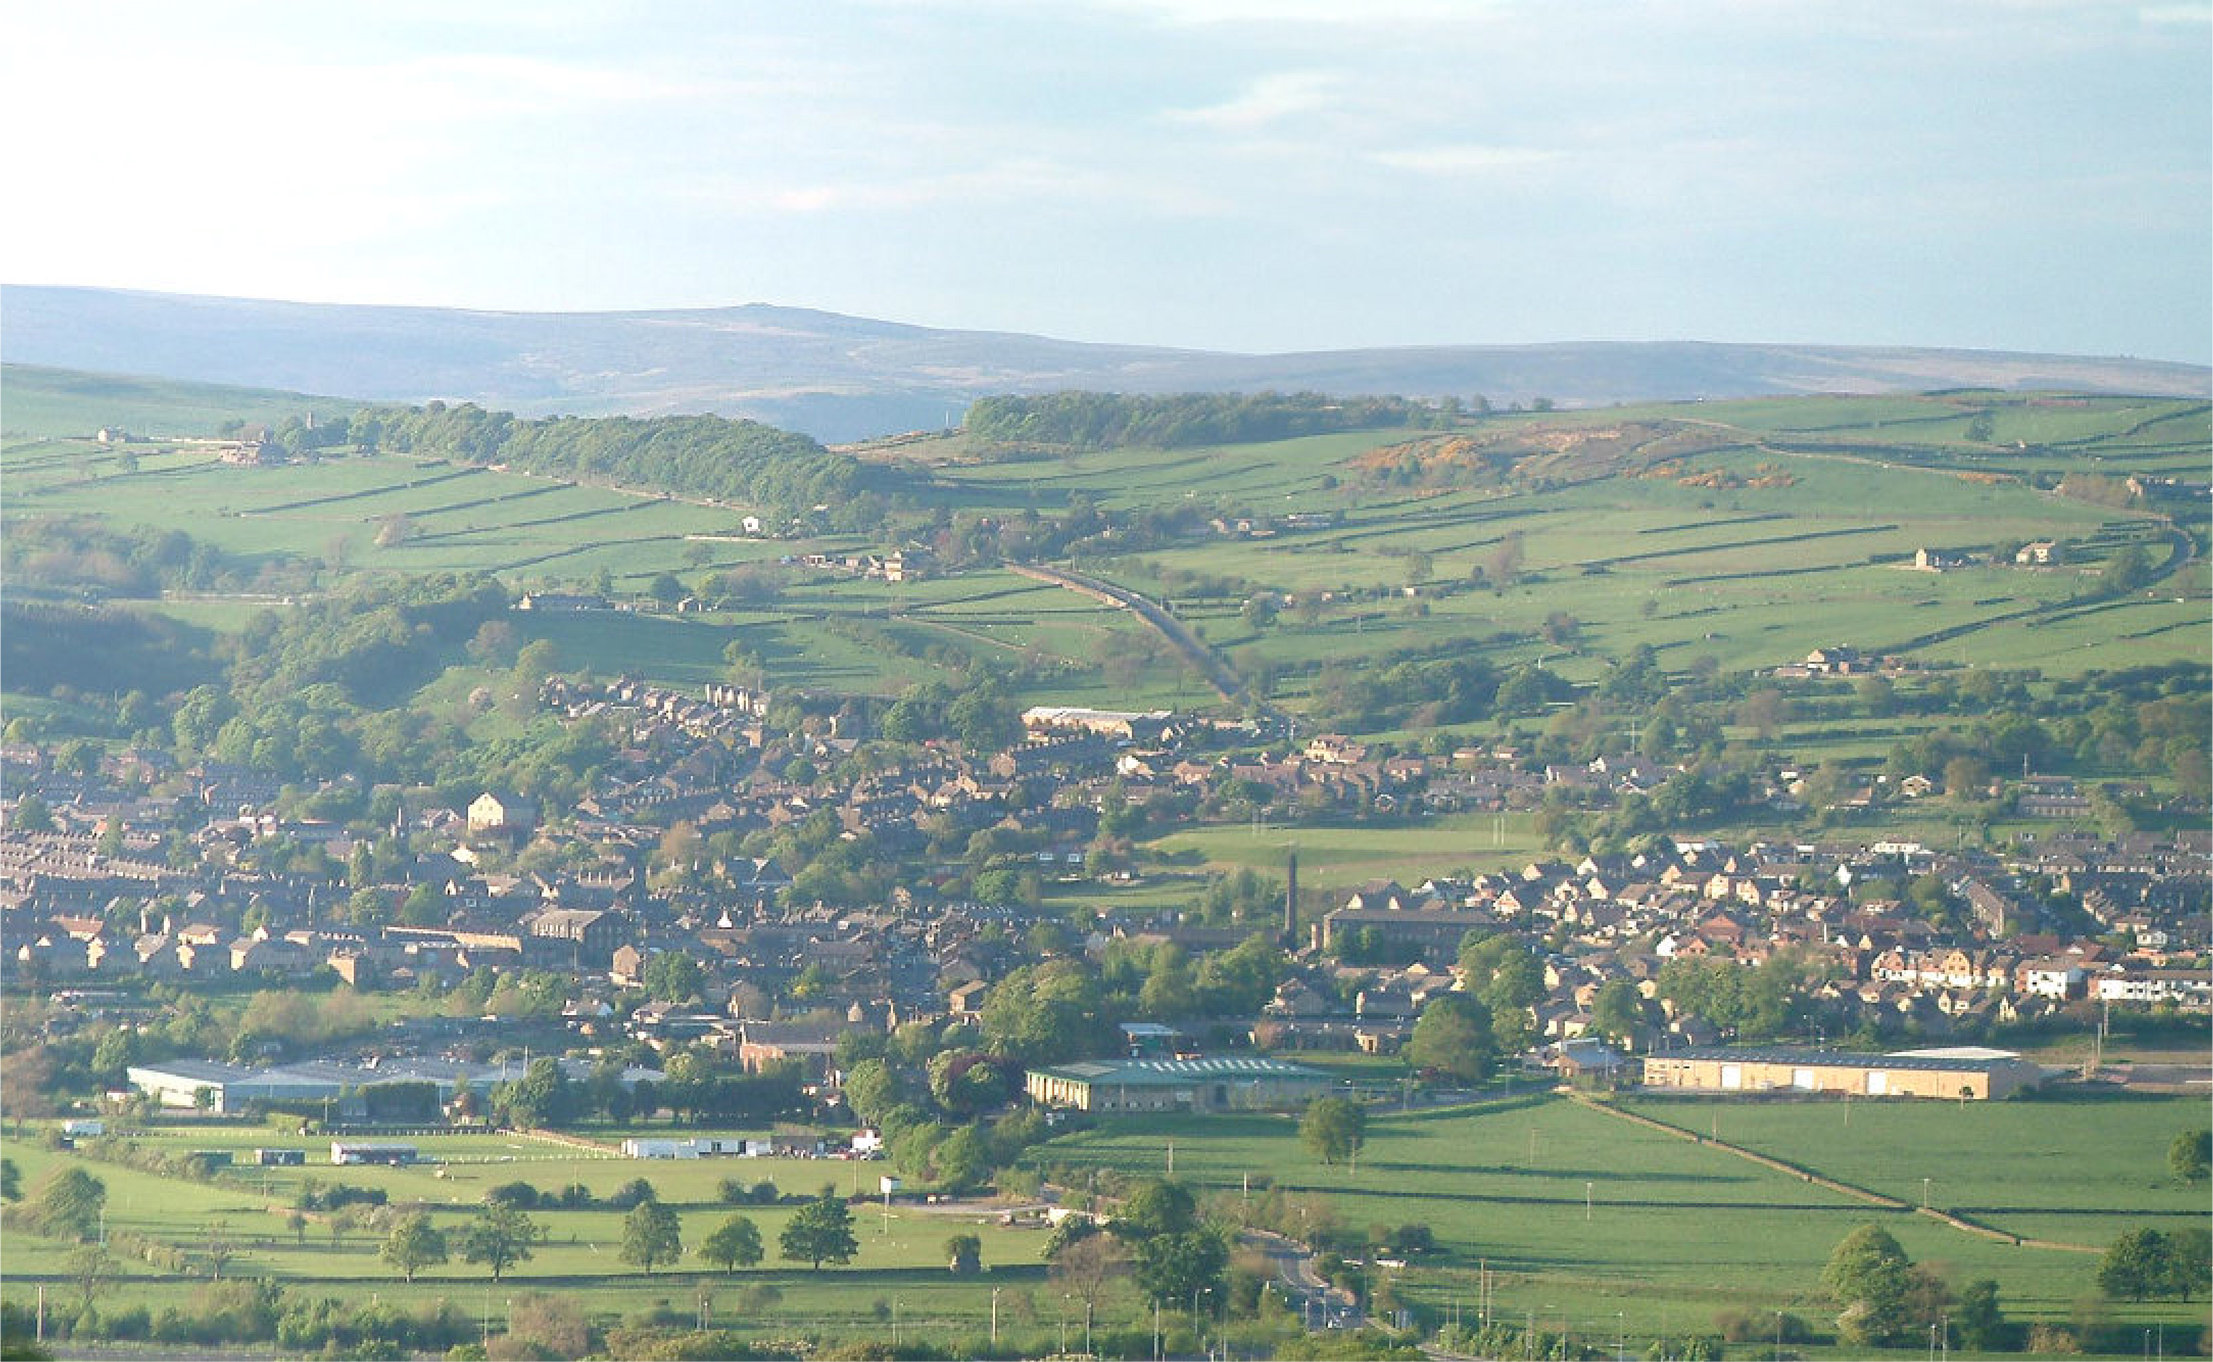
(1504,1186)
(1582,1218)
(1748,575)
(902,1257)
(44,401)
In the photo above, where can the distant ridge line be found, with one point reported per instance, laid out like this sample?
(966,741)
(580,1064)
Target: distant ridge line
(842,378)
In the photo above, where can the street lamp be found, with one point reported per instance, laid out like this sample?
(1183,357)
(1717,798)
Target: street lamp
(1924,1194)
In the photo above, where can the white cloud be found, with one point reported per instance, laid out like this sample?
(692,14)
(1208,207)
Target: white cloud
(1269,99)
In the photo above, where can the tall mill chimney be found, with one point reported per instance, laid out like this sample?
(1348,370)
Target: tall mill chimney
(1291,903)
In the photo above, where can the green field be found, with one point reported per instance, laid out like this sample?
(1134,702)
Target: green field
(901,1256)
(1742,533)
(52,402)
(1333,855)
(1504,1187)
(1581,1217)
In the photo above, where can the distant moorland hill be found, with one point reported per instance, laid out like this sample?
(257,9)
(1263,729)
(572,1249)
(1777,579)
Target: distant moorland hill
(841,378)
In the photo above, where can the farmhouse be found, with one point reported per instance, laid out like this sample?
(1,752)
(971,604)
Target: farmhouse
(1963,1072)
(1227,1083)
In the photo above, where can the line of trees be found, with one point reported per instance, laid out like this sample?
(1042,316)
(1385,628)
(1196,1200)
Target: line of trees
(705,456)
(1090,420)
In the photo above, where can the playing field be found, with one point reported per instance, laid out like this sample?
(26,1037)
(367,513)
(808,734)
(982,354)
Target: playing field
(1582,1214)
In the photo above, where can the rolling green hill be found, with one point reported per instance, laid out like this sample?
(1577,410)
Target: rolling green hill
(38,401)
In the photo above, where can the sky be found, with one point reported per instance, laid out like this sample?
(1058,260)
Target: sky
(1256,175)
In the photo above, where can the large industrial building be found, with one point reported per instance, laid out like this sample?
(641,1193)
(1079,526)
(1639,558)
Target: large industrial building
(1227,1083)
(230,1088)
(1963,1072)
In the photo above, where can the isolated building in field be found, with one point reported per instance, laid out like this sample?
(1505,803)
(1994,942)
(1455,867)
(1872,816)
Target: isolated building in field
(1225,1083)
(1964,1072)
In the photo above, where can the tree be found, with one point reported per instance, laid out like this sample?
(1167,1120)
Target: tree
(2134,1266)
(546,1326)
(31,815)
(673,976)
(2189,1263)
(500,1237)
(964,1255)
(735,1243)
(652,1234)
(1966,778)
(1980,1321)
(820,1232)
(219,1248)
(1085,1267)
(1867,1276)
(2126,570)
(1764,710)
(91,1267)
(1505,976)
(1155,1208)
(11,1181)
(67,1204)
(1454,1034)
(871,1090)
(2146,1263)
(2190,1155)
(413,1245)
(1174,1269)
(1617,1013)
(1334,1128)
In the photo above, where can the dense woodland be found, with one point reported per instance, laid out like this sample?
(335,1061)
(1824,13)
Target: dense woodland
(1088,420)
(700,456)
